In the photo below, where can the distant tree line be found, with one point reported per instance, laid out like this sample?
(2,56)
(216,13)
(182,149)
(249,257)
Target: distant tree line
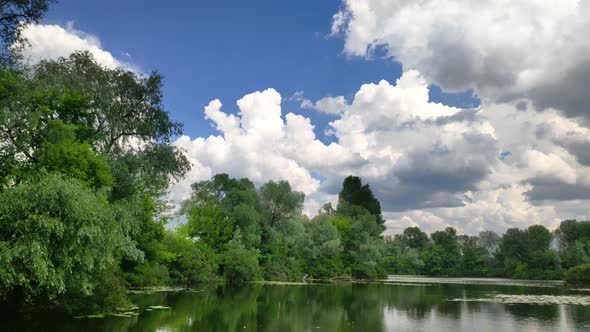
(531,253)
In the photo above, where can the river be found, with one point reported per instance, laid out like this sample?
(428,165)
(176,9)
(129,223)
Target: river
(395,306)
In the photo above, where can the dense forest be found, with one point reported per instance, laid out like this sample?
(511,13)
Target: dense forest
(85,162)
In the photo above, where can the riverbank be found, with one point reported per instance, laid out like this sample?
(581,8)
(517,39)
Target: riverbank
(418,279)
(426,280)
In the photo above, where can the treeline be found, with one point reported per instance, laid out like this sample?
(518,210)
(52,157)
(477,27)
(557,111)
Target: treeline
(251,234)
(531,253)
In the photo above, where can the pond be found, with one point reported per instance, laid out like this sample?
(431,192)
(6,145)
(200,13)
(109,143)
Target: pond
(340,307)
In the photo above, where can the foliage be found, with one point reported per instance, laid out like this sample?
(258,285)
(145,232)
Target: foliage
(218,207)
(116,112)
(578,275)
(280,201)
(193,262)
(240,264)
(355,193)
(63,152)
(321,248)
(55,235)
(414,238)
(574,242)
(14,15)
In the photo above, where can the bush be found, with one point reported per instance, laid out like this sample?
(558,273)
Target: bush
(109,295)
(56,237)
(578,275)
(368,271)
(148,274)
(283,269)
(193,263)
(240,265)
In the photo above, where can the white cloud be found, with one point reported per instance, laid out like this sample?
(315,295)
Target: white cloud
(255,144)
(505,50)
(328,105)
(46,41)
(430,165)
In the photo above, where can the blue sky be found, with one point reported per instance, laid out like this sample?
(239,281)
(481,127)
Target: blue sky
(518,157)
(226,49)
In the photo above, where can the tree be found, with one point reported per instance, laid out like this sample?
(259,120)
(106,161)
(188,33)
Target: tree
(446,250)
(570,231)
(321,248)
(193,262)
(514,251)
(414,238)
(514,244)
(14,16)
(364,250)
(218,207)
(578,275)
(472,255)
(55,236)
(240,264)
(280,201)
(489,242)
(327,209)
(573,237)
(539,238)
(63,152)
(284,260)
(355,193)
(115,111)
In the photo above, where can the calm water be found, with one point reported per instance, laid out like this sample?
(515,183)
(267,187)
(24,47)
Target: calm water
(358,307)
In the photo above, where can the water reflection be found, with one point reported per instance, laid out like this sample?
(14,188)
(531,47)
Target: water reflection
(358,307)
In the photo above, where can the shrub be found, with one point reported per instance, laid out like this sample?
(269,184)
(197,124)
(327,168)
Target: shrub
(240,265)
(578,275)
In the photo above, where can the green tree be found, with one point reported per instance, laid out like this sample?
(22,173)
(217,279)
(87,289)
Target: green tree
(489,242)
(280,202)
(121,111)
(14,16)
(578,275)
(193,262)
(284,259)
(321,248)
(572,236)
(514,252)
(414,238)
(55,236)
(355,193)
(219,206)
(62,152)
(539,238)
(240,264)
(445,255)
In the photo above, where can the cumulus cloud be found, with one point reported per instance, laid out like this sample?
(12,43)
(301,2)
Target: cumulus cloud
(494,210)
(536,49)
(498,166)
(328,105)
(259,144)
(47,41)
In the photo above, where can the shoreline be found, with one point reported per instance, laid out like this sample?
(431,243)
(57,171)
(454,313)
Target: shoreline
(428,280)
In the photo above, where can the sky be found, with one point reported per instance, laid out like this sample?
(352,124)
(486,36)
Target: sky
(457,113)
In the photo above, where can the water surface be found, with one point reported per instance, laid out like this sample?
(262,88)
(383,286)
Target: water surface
(342,307)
